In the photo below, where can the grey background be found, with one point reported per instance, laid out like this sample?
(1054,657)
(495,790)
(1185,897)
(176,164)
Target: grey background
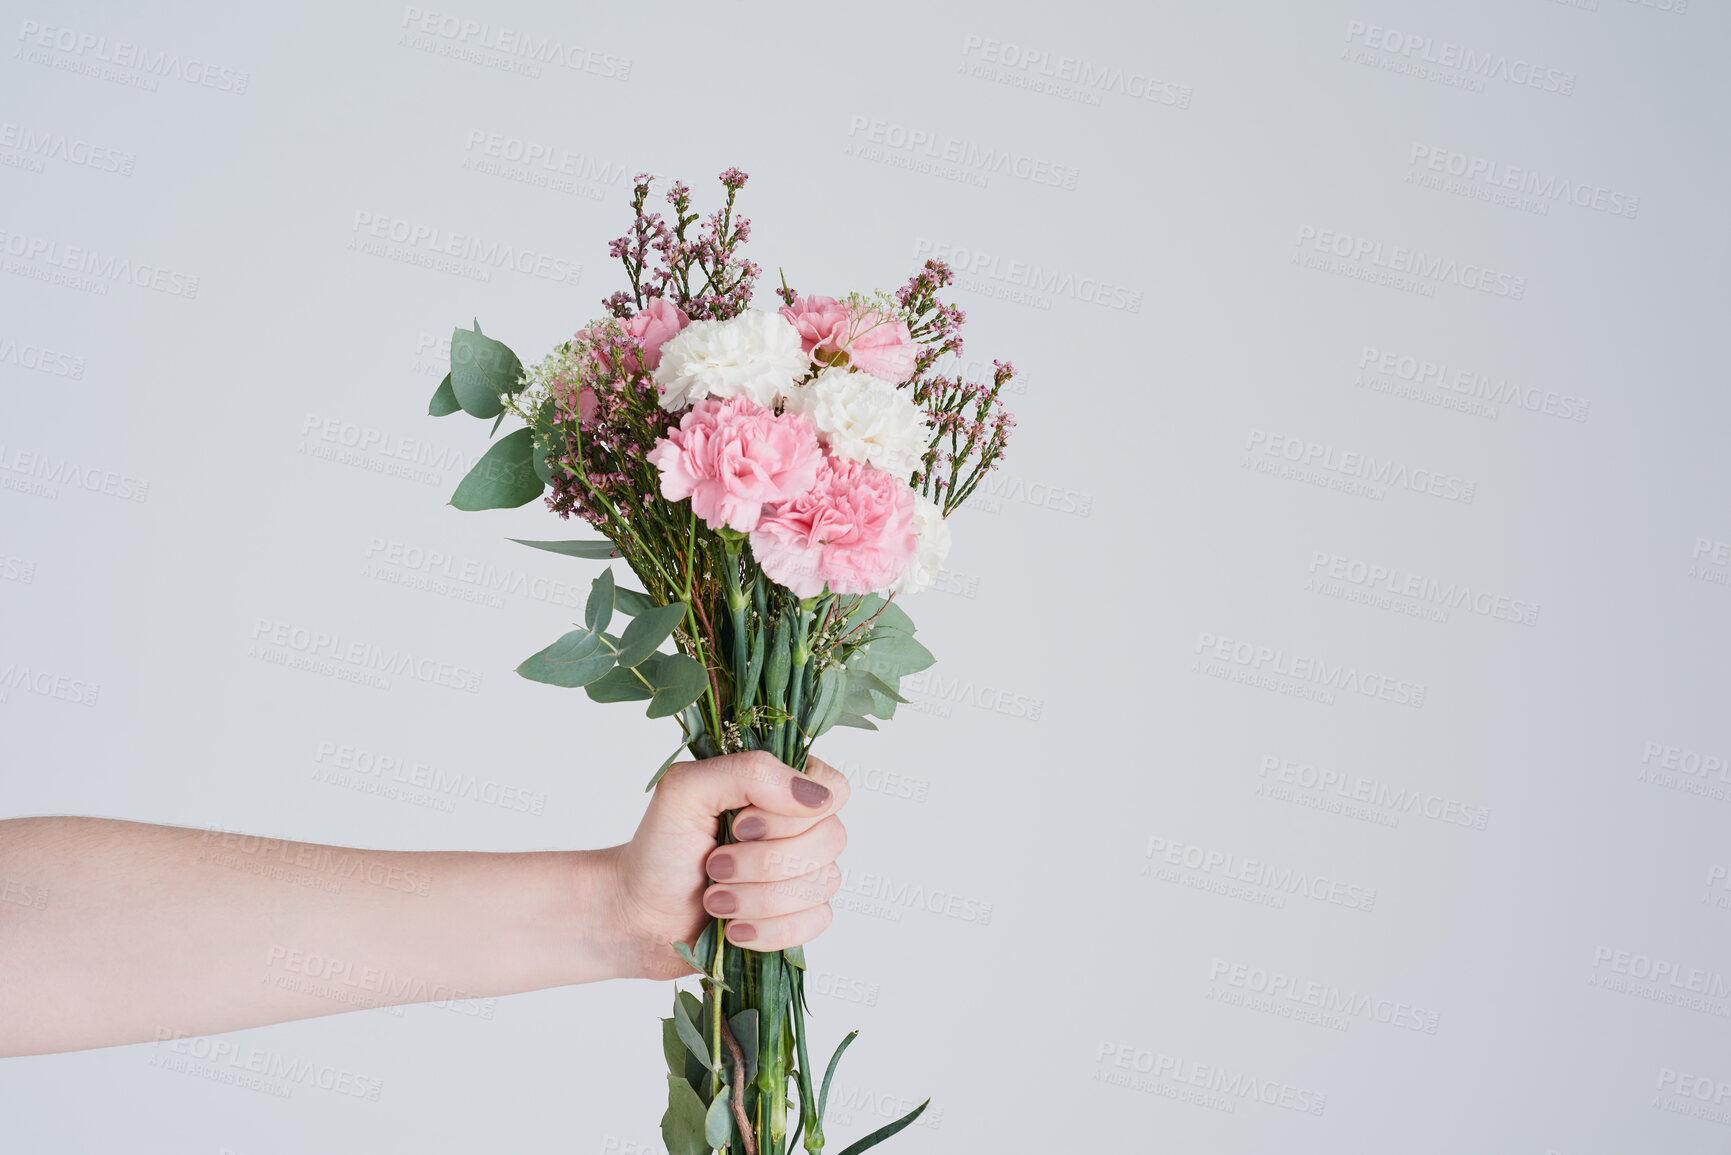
(1044,924)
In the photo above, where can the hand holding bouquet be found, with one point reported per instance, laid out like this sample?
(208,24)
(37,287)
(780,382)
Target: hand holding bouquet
(774,480)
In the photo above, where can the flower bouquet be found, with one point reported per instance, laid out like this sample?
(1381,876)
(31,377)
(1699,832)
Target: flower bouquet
(774,479)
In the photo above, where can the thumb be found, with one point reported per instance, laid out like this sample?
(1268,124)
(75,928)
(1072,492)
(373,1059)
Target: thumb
(702,790)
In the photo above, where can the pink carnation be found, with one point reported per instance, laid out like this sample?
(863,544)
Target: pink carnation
(659,320)
(873,342)
(821,321)
(882,347)
(852,531)
(733,457)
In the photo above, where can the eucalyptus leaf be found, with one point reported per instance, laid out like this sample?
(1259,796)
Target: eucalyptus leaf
(672,1049)
(482,372)
(577,644)
(647,631)
(664,766)
(601,550)
(504,478)
(682,1127)
(691,960)
(706,945)
(680,681)
(543,446)
(795,955)
(599,611)
(630,602)
(718,1123)
(857,721)
(622,685)
(894,652)
(875,684)
(744,1028)
(688,1032)
(444,402)
(537,668)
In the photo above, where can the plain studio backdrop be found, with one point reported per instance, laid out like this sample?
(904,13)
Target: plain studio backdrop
(1327,748)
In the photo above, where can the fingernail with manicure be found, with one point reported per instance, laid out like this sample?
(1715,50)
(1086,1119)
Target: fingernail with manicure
(721,867)
(809,793)
(750,827)
(722,902)
(741,931)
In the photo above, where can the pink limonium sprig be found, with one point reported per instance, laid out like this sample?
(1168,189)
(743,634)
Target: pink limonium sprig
(708,258)
(970,427)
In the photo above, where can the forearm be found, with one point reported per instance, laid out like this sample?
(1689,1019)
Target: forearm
(120,932)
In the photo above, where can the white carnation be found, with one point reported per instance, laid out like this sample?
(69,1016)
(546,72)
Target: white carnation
(929,554)
(757,353)
(859,417)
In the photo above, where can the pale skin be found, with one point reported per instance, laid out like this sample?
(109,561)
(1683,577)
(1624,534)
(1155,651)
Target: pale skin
(117,932)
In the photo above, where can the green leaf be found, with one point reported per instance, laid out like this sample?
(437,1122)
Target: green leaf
(718,1122)
(599,612)
(823,1095)
(664,765)
(631,602)
(504,478)
(672,1049)
(570,675)
(680,681)
(706,945)
(856,721)
(875,684)
(601,550)
(744,1028)
(691,960)
(538,459)
(864,700)
(621,685)
(885,1132)
(831,690)
(682,1127)
(444,402)
(647,631)
(577,644)
(683,1022)
(895,654)
(795,955)
(482,370)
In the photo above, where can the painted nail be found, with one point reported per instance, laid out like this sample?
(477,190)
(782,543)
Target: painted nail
(750,827)
(741,931)
(809,793)
(721,867)
(722,902)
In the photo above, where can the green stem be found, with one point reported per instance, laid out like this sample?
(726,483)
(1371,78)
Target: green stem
(810,1120)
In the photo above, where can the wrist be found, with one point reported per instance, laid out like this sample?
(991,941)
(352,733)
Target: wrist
(591,938)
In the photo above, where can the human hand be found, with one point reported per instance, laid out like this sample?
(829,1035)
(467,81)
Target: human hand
(773,885)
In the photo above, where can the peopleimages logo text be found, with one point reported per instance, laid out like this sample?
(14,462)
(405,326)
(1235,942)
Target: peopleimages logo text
(1412,262)
(1023,274)
(467,247)
(1304,668)
(515,42)
(1448,54)
(1471,383)
(125,54)
(364,655)
(1363,466)
(967,153)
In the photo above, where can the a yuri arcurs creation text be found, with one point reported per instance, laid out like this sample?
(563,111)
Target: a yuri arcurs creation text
(776,480)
